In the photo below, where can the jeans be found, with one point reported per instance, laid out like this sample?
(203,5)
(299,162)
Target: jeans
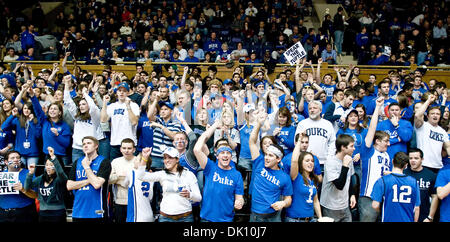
(104,148)
(200,180)
(188,219)
(366,212)
(245,163)
(29,160)
(262,218)
(338,40)
(76,154)
(157,162)
(293,220)
(114,152)
(343,215)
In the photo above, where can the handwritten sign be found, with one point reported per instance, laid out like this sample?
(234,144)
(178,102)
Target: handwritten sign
(294,53)
(7,181)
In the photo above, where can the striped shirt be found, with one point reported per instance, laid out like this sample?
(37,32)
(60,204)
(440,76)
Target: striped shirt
(160,139)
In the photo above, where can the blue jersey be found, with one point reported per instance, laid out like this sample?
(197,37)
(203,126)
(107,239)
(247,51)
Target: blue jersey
(219,192)
(88,201)
(269,185)
(442,179)
(302,199)
(399,194)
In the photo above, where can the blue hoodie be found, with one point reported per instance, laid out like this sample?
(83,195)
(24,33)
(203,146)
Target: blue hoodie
(399,137)
(59,143)
(34,134)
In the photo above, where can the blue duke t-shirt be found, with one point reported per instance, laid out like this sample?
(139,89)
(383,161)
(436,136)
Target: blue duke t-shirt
(219,192)
(269,185)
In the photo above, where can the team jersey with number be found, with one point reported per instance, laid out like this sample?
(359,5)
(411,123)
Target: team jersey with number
(373,164)
(399,194)
(140,195)
(90,202)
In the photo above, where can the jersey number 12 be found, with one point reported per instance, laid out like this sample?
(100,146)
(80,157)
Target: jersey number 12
(401,197)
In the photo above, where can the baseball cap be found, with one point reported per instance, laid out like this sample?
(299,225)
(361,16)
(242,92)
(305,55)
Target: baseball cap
(167,104)
(249,107)
(123,84)
(172,152)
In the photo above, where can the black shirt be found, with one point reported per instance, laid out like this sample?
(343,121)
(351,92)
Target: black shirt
(425,180)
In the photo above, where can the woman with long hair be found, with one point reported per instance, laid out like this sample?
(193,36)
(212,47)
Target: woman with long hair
(52,187)
(305,200)
(283,130)
(179,185)
(364,120)
(87,120)
(28,133)
(55,132)
(353,128)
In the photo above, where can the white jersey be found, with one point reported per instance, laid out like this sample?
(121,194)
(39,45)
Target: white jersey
(121,127)
(430,140)
(322,137)
(373,165)
(140,195)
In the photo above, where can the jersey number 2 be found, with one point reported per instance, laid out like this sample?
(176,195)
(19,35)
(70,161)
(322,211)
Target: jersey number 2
(145,187)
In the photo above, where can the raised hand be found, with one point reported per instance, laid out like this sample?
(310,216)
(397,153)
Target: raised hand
(51,152)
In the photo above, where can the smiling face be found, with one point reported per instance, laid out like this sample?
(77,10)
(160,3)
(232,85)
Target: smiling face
(271,160)
(170,163)
(53,111)
(224,159)
(308,163)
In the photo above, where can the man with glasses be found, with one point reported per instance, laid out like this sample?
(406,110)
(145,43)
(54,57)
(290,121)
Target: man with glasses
(375,163)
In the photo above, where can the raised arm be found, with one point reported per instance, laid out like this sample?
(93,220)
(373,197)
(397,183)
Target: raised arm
(294,161)
(198,148)
(418,117)
(373,122)
(252,142)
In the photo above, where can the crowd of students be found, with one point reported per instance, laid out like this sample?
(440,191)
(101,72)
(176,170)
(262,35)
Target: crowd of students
(188,146)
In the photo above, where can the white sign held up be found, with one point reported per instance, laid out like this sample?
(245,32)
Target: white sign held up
(7,181)
(294,53)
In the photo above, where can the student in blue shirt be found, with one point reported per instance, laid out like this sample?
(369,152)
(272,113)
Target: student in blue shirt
(353,128)
(443,190)
(399,194)
(20,207)
(400,130)
(284,131)
(270,183)
(224,189)
(88,179)
(305,200)
(28,133)
(55,132)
